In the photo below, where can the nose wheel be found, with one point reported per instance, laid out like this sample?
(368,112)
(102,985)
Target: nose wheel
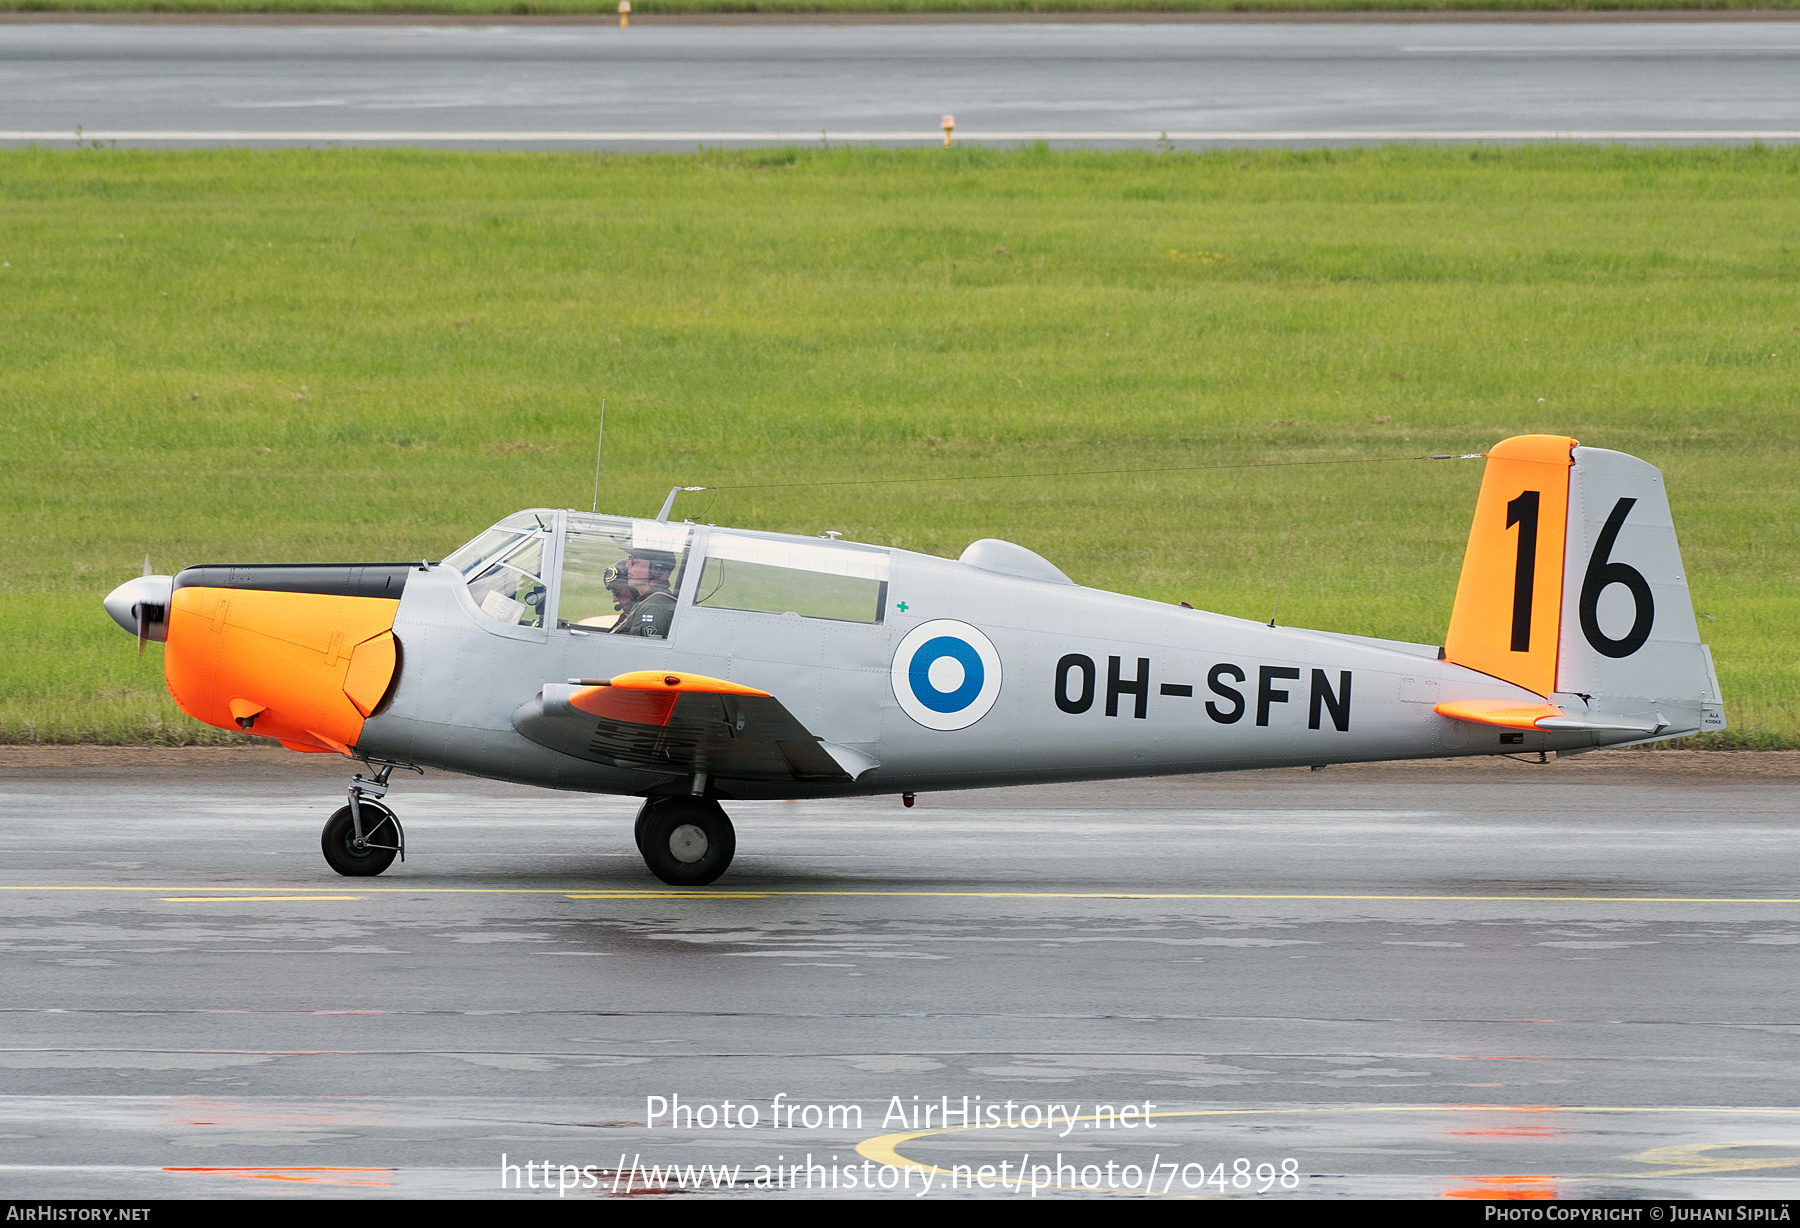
(686,841)
(362,856)
(362,839)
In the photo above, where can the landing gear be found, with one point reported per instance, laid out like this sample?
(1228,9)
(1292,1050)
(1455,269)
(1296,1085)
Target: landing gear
(361,839)
(369,854)
(686,841)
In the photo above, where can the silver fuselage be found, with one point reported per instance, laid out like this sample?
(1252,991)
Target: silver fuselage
(1164,690)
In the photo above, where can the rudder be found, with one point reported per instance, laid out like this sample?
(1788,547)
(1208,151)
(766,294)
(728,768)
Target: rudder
(1507,618)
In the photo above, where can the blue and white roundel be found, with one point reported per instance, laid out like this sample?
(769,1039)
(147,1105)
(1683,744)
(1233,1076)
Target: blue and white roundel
(946,674)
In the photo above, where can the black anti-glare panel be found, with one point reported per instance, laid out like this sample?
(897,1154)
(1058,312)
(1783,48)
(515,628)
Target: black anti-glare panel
(330,579)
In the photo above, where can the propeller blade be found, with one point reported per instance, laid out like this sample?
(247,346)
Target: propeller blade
(146,564)
(143,627)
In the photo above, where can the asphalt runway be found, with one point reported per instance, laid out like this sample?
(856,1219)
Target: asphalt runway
(1423,980)
(1127,84)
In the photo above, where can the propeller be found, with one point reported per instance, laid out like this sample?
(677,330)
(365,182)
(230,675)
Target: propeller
(143,614)
(143,628)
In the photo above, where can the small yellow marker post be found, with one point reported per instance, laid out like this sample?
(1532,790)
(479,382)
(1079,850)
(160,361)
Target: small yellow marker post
(624,12)
(949,127)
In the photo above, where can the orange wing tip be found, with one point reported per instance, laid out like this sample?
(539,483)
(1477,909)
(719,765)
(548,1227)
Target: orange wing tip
(1546,449)
(647,696)
(663,682)
(634,706)
(1506,713)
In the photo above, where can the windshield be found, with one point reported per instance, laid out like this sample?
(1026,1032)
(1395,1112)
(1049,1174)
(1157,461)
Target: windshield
(494,542)
(511,588)
(483,549)
(504,568)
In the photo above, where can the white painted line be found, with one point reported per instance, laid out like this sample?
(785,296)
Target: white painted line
(498,137)
(815,137)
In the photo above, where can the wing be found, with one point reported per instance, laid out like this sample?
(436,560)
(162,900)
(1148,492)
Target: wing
(683,724)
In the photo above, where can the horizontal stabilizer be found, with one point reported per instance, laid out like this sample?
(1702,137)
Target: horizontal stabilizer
(1506,713)
(1601,724)
(1510,714)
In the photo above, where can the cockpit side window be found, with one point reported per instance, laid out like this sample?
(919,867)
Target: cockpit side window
(621,576)
(841,583)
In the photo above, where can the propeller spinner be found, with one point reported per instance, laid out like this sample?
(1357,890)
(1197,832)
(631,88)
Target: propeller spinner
(142,606)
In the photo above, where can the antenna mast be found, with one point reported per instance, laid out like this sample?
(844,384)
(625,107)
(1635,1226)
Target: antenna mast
(599,448)
(1284,570)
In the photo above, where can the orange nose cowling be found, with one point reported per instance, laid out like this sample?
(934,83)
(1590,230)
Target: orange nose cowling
(315,664)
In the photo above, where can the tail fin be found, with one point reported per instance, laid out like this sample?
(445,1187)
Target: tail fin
(1573,585)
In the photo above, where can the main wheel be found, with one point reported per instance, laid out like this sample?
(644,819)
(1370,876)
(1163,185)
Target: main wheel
(686,841)
(381,840)
(643,819)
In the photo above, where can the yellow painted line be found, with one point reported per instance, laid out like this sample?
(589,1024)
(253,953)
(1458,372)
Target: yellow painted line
(253,899)
(668,895)
(884,1149)
(631,894)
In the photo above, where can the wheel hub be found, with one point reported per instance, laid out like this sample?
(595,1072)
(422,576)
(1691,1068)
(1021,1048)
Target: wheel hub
(687,843)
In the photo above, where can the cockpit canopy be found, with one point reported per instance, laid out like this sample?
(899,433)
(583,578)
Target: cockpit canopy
(604,570)
(509,568)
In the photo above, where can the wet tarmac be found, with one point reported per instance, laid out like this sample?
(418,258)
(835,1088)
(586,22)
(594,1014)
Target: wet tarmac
(1423,980)
(1119,84)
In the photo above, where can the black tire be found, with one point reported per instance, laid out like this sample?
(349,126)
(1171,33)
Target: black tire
(643,818)
(339,837)
(687,841)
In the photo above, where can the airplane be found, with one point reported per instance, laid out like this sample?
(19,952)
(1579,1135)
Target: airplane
(692,665)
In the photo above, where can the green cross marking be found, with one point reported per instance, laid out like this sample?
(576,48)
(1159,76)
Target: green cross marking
(901,606)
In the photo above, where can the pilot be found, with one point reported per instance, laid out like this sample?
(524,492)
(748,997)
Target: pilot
(639,584)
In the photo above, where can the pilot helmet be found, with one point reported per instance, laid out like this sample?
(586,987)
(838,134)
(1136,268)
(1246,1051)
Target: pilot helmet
(655,569)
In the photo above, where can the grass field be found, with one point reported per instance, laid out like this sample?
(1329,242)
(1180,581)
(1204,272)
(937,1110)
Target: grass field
(228,356)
